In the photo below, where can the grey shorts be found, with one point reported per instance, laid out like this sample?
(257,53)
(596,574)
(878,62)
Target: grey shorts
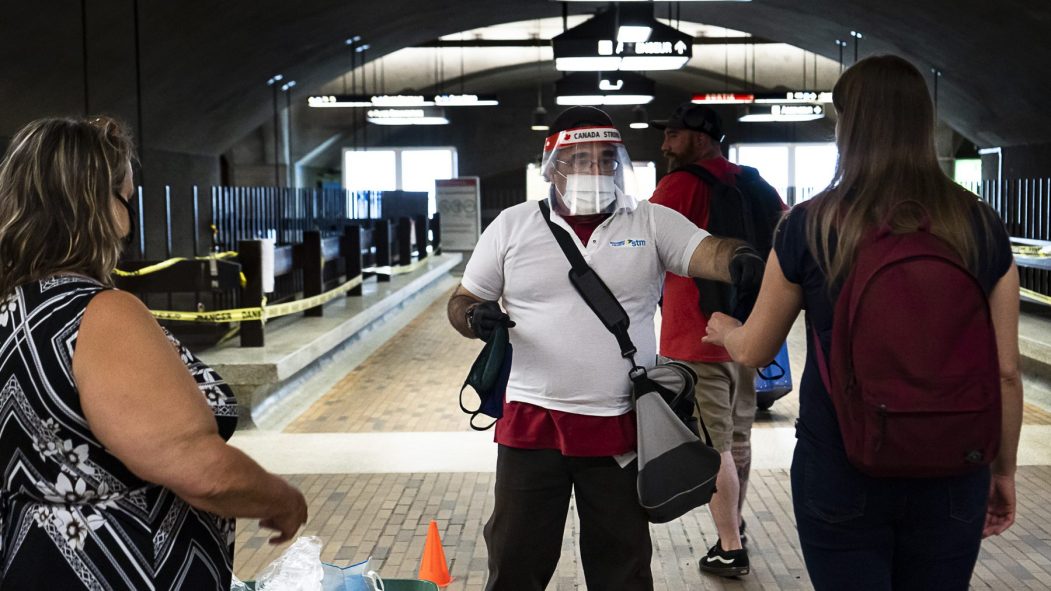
(725,393)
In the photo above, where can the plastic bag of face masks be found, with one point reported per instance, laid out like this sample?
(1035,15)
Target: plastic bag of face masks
(298,569)
(356,577)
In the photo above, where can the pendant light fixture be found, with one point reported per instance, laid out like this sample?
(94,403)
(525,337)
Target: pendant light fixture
(639,119)
(540,119)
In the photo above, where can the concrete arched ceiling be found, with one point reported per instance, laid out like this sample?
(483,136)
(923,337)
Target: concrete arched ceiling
(204,64)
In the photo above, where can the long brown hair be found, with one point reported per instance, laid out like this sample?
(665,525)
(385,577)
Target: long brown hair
(57,183)
(887,170)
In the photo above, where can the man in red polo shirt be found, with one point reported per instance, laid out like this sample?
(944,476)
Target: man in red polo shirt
(725,390)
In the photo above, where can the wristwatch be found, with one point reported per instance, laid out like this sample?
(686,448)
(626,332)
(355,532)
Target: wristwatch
(469,315)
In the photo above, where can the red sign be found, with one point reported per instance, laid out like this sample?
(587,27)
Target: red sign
(722,98)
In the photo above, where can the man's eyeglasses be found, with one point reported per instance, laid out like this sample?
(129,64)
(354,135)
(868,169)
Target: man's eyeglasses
(583,163)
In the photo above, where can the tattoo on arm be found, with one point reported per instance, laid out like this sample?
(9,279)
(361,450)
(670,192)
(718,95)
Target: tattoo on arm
(457,311)
(712,258)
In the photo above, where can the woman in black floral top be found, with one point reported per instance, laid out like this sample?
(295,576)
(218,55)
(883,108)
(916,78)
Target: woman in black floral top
(116,471)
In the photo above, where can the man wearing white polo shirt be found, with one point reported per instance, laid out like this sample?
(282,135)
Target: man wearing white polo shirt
(568,424)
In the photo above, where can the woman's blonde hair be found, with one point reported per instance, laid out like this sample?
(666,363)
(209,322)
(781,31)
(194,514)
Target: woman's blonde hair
(888,169)
(57,183)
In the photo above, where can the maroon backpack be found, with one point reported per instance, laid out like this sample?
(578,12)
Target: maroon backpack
(913,371)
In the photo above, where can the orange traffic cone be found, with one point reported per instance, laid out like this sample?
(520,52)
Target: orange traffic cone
(432,566)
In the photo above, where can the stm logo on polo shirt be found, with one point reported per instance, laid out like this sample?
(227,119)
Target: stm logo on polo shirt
(628,242)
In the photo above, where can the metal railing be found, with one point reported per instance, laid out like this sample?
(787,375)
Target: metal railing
(1025,207)
(204,220)
(282,214)
(243,213)
(1023,204)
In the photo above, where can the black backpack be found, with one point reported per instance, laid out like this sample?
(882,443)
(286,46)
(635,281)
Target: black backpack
(750,210)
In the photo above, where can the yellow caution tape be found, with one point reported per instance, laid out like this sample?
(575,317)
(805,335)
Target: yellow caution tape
(1030,248)
(264,312)
(1026,250)
(1039,297)
(171,262)
(235,315)
(313,301)
(261,313)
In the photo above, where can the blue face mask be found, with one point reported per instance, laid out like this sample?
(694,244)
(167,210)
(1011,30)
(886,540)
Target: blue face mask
(488,377)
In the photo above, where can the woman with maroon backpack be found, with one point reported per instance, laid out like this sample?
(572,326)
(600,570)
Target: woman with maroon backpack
(911,399)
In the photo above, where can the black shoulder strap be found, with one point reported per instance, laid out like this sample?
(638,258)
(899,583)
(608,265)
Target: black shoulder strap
(729,212)
(749,173)
(726,217)
(591,287)
(767,207)
(700,172)
(564,240)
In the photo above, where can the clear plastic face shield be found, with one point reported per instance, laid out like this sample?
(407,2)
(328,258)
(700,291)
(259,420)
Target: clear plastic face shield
(589,171)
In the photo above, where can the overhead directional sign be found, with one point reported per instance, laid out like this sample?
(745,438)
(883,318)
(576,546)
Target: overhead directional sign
(782,113)
(795,96)
(593,45)
(613,88)
(723,98)
(790,97)
(651,47)
(410,116)
(401,100)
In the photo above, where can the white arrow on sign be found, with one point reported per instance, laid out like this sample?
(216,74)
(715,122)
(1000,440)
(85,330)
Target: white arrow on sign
(680,47)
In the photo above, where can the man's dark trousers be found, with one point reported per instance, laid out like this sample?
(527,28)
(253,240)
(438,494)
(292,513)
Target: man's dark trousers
(524,534)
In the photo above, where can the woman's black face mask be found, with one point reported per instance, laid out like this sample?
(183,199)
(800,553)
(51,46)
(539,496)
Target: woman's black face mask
(128,238)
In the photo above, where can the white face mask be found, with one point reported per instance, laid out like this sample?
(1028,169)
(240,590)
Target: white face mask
(588,194)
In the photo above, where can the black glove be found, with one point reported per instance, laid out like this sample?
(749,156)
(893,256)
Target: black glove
(746,275)
(483,318)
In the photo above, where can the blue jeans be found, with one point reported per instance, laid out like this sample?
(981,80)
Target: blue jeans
(862,533)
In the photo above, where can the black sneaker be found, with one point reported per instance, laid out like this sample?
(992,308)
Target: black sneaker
(740,531)
(725,563)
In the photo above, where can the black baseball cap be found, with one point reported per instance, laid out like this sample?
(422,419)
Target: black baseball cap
(581,116)
(694,118)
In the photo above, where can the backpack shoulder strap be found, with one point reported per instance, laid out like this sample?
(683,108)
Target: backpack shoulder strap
(749,173)
(822,363)
(726,217)
(700,172)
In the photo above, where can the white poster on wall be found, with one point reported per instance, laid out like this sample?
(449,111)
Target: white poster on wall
(459,203)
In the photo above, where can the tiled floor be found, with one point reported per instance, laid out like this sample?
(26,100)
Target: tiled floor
(386,516)
(411,384)
(381,510)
